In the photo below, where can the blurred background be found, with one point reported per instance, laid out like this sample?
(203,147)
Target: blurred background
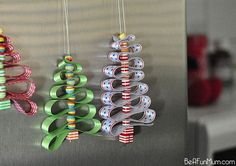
(211,50)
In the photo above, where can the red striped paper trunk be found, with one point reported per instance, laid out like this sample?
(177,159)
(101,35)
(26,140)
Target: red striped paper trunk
(127,135)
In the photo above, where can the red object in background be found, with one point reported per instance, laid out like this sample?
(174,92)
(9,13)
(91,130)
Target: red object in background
(204,92)
(196,48)
(199,93)
(216,88)
(200,40)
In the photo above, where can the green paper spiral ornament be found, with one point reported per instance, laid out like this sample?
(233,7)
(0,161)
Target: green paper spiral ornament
(69,108)
(69,91)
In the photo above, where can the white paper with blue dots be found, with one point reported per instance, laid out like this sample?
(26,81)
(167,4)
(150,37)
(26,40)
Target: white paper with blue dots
(111,98)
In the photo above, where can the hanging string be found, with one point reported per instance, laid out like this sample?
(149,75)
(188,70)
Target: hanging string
(123,11)
(63,27)
(66,27)
(121,15)
(112,14)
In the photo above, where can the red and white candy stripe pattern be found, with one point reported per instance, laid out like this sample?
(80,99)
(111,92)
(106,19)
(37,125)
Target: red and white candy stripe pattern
(127,135)
(9,60)
(74,135)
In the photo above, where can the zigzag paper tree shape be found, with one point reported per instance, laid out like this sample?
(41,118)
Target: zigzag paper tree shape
(8,82)
(78,113)
(69,101)
(124,96)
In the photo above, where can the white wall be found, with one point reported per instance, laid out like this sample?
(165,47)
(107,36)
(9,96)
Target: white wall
(221,18)
(215,18)
(196,16)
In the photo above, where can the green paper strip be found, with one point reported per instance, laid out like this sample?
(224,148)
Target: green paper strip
(91,109)
(86,99)
(53,142)
(1,64)
(53,139)
(2,80)
(2,58)
(6,104)
(78,67)
(2,73)
(3,88)
(2,91)
(58,78)
(49,121)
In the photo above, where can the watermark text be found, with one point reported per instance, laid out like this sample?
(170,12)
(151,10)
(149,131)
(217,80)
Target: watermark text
(208,161)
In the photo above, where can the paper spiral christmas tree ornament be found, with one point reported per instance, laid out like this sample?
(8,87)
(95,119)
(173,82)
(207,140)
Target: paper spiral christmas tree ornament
(69,102)
(15,86)
(124,93)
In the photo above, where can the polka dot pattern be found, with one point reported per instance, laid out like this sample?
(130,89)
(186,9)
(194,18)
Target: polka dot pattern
(110,70)
(105,112)
(136,48)
(115,87)
(107,126)
(114,56)
(141,89)
(107,98)
(107,84)
(137,63)
(117,43)
(114,72)
(110,85)
(138,75)
(114,128)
